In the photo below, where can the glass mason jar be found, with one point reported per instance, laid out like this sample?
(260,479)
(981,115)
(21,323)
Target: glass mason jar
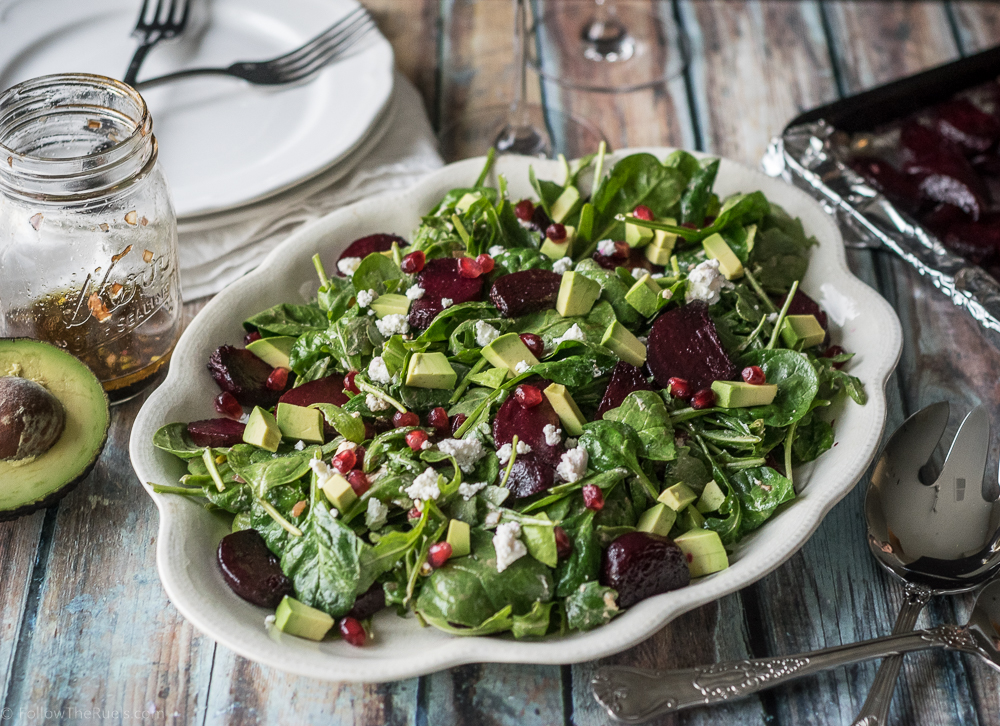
(88,237)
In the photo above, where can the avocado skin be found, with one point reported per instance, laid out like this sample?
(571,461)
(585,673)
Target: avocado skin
(54,496)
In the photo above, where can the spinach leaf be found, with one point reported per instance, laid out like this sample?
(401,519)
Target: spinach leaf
(647,415)
(584,561)
(173,438)
(519,258)
(636,179)
(694,202)
(350,427)
(334,296)
(447,320)
(687,164)
(374,272)
(813,436)
(591,605)
(610,445)
(797,385)
(613,290)
(274,471)
(287,319)
(535,623)
(761,490)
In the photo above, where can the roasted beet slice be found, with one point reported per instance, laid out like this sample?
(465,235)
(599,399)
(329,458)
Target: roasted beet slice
(527,291)
(625,378)
(902,189)
(802,304)
(368,603)
(219,433)
(251,570)
(979,242)
(529,425)
(372,243)
(530,476)
(945,175)
(964,124)
(322,390)
(685,343)
(639,565)
(440,279)
(244,375)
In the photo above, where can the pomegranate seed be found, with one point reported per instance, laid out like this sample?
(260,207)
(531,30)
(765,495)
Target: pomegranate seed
(414,513)
(359,482)
(278,379)
(593,497)
(705,398)
(643,212)
(370,431)
(556,232)
(457,420)
(360,454)
(400,419)
(622,249)
(534,343)
(564,545)
(679,388)
(416,439)
(349,384)
(438,418)
(227,405)
(524,210)
(345,461)
(528,396)
(754,375)
(468,267)
(438,554)
(485,263)
(251,337)
(352,631)
(413,263)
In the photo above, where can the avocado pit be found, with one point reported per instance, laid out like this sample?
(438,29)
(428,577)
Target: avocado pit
(31,419)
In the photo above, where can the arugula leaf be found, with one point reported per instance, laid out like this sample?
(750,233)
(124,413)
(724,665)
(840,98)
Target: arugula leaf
(334,296)
(591,605)
(287,319)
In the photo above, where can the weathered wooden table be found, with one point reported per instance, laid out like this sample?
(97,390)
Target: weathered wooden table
(87,633)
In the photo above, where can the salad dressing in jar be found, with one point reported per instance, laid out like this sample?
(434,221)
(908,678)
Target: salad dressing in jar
(88,237)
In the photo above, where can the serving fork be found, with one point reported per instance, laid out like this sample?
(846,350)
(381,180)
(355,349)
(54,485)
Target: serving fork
(332,43)
(152,29)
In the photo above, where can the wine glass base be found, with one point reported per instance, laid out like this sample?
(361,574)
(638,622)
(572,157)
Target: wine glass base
(627,48)
(540,132)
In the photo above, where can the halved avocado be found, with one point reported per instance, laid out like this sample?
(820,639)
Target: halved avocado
(54,420)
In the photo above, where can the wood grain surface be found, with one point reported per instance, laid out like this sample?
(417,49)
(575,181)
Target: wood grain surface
(85,624)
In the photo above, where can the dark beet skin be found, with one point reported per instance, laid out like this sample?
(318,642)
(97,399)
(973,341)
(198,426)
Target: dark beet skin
(639,565)
(978,242)
(529,425)
(440,279)
(685,343)
(901,188)
(251,570)
(802,304)
(530,476)
(625,378)
(610,262)
(964,124)
(244,375)
(372,243)
(368,603)
(527,291)
(945,175)
(322,390)
(219,433)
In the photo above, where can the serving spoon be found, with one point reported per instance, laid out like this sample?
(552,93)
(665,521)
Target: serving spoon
(922,528)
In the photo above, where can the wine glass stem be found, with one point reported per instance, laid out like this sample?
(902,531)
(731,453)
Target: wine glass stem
(518,112)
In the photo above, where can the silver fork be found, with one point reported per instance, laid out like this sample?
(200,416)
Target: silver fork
(151,30)
(293,66)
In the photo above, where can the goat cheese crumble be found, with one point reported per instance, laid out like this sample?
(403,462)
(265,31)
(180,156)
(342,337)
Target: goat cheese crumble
(468,491)
(321,470)
(392,325)
(638,272)
(466,451)
(508,546)
(365,298)
(375,403)
(606,247)
(376,515)
(503,453)
(553,435)
(348,265)
(424,487)
(562,265)
(485,333)
(378,371)
(446,302)
(299,446)
(521,367)
(572,465)
(574,333)
(415,293)
(705,282)
(497,250)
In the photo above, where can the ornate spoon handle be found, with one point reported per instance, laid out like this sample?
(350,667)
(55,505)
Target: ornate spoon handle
(633,695)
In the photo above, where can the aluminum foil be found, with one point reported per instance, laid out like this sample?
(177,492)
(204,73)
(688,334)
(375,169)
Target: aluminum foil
(811,156)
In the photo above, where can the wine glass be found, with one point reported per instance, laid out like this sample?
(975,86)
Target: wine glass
(607,45)
(520,127)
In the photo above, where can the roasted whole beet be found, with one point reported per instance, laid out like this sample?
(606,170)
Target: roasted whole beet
(684,343)
(244,375)
(529,425)
(964,124)
(322,390)
(625,378)
(219,433)
(945,175)
(639,565)
(901,188)
(527,291)
(529,476)
(251,570)
(802,304)
(372,243)
(368,603)
(441,279)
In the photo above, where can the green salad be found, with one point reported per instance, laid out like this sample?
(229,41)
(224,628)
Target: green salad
(527,417)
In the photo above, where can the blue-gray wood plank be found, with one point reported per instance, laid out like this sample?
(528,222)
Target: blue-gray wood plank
(84,623)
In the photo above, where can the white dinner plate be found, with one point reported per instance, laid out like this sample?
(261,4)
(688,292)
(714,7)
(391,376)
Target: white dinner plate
(861,320)
(223,142)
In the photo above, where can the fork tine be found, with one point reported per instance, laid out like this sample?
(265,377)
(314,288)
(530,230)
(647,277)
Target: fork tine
(318,61)
(159,12)
(142,13)
(322,52)
(184,15)
(333,30)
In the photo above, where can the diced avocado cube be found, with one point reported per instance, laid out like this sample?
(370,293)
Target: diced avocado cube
(493,378)
(662,247)
(569,413)
(717,249)
(273,351)
(430,370)
(577,294)
(565,204)
(458,538)
(802,331)
(467,200)
(540,539)
(737,394)
(678,496)
(623,344)
(704,551)
(507,351)
(558,250)
(262,430)
(297,618)
(711,498)
(644,296)
(301,423)
(637,236)
(658,519)
(689,518)
(390,305)
(340,492)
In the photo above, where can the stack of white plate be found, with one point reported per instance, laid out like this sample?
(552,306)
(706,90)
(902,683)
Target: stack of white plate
(230,151)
